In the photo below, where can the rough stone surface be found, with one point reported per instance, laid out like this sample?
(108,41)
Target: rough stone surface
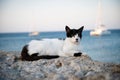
(63,68)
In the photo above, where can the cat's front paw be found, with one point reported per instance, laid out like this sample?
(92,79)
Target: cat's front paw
(77,54)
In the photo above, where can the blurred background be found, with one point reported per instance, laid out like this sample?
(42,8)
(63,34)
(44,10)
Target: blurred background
(53,15)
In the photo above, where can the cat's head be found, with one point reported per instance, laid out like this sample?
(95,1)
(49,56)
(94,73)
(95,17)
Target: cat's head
(74,35)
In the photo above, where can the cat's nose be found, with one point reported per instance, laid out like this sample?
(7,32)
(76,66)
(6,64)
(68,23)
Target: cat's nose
(76,40)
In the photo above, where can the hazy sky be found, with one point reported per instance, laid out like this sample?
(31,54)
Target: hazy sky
(53,15)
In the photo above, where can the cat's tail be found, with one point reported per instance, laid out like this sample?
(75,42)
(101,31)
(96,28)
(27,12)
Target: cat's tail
(26,57)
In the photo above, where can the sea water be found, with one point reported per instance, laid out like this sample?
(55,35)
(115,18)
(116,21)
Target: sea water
(105,48)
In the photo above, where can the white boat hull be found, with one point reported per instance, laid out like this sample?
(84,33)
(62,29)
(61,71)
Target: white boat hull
(98,33)
(34,34)
(94,33)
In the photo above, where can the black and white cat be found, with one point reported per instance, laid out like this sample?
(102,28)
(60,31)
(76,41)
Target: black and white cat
(53,48)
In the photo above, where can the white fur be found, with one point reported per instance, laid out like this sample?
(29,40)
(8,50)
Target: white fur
(45,46)
(70,48)
(54,47)
(73,39)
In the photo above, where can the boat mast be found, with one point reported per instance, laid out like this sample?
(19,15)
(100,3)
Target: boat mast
(99,15)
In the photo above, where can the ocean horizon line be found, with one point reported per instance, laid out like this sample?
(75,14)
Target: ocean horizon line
(47,31)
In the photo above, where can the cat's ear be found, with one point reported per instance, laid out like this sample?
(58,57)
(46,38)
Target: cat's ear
(67,29)
(81,29)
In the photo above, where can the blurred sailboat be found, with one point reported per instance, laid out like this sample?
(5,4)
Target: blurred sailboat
(33,27)
(100,29)
(35,33)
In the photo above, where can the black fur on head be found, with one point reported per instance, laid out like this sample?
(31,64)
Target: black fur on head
(73,32)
